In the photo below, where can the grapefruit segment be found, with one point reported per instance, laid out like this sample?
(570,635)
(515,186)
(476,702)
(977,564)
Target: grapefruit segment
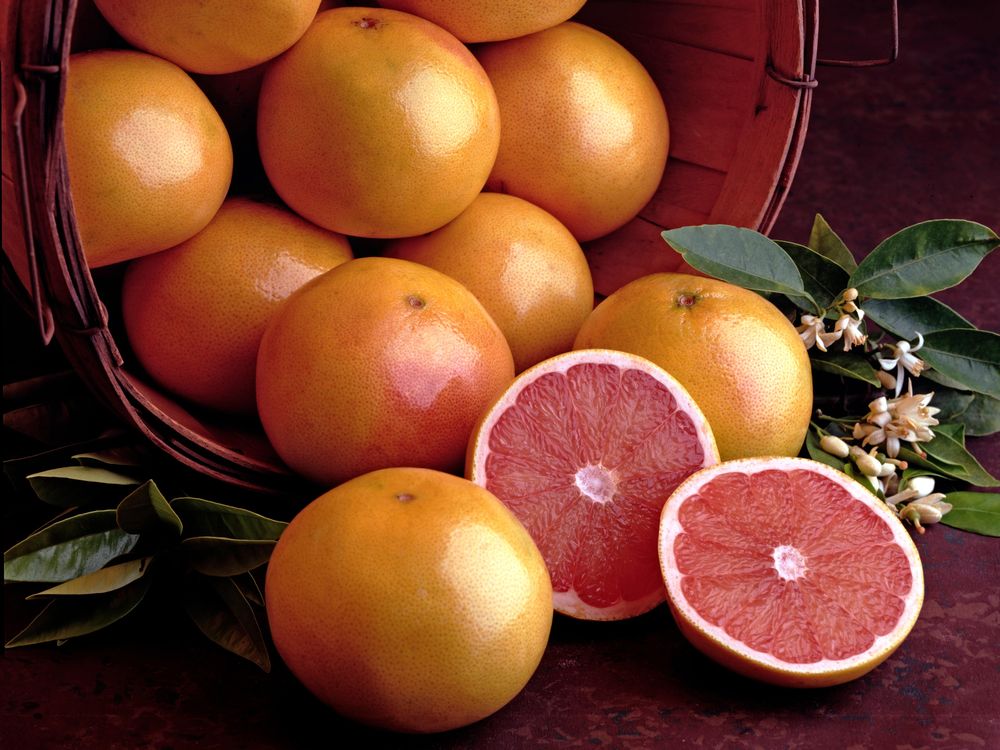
(585,448)
(788,571)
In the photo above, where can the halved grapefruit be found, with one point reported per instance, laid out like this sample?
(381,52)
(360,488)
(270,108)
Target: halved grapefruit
(788,571)
(585,448)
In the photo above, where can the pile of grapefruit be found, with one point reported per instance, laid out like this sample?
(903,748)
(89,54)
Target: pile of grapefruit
(493,446)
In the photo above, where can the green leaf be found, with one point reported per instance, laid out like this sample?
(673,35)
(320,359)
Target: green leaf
(100,581)
(206,518)
(979,414)
(68,549)
(845,364)
(904,317)
(146,510)
(923,258)
(825,241)
(967,356)
(249,587)
(740,256)
(948,446)
(71,616)
(974,511)
(71,486)
(113,457)
(937,378)
(823,279)
(818,454)
(221,612)
(216,556)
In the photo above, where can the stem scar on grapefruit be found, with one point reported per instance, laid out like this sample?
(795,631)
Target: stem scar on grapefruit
(788,571)
(585,448)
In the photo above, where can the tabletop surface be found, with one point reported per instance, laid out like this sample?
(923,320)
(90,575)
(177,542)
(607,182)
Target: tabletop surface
(886,147)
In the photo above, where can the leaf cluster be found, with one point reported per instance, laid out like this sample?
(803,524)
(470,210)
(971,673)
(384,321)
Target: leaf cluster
(118,534)
(894,283)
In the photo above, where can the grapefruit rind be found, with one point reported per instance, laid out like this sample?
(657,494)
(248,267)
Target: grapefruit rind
(718,645)
(569,602)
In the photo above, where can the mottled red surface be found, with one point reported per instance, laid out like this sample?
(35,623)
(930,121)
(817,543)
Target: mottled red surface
(886,148)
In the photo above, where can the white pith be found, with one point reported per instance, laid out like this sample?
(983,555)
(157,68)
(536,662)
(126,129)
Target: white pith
(670,527)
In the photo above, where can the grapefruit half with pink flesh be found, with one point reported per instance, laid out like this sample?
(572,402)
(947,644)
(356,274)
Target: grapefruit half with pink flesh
(585,448)
(788,571)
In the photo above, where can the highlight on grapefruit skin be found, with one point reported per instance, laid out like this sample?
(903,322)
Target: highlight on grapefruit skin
(788,571)
(585,448)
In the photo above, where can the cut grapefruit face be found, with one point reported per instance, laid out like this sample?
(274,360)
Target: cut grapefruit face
(788,571)
(585,448)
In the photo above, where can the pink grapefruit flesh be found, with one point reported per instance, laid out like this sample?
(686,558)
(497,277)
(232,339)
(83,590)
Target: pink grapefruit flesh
(585,448)
(788,571)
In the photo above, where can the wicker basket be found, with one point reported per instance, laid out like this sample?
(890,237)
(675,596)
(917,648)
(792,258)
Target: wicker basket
(736,75)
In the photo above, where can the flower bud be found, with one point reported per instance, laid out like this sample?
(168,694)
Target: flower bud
(834,446)
(887,470)
(869,465)
(886,379)
(879,405)
(926,513)
(923,486)
(850,294)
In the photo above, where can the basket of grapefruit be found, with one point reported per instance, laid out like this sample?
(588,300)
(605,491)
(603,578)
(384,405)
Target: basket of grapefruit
(122,141)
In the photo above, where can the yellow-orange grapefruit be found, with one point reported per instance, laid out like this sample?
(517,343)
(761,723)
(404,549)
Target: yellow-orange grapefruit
(585,130)
(380,362)
(409,599)
(734,352)
(217,37)
(377,123)
(195,313)
(521,263)
(788,571)
(489,20)
(149,158)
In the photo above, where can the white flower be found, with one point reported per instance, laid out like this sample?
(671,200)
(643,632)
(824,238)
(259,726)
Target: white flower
(850,329)
(891,421)
(902,359)
(812,332)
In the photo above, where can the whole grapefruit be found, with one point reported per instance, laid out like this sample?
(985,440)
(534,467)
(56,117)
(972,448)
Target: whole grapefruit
(217,37)
(377,123)
(521,263)
(195,313)
(409,599)
(488,20)
(149,158)
(585,130)
(380,362)
(736,354)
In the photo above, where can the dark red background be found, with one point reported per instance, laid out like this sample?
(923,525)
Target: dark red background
(886,147)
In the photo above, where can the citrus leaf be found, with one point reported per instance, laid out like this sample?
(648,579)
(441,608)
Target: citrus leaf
(974,511)
(71,486)
(217,556)
(206,518)
(101,581)
(249,587)
(844,364)
(825,241)
(72,616)
(948,446)
(68,549)
(818,454)
(823,279)
(115,457)
(966,355)
(979,414)
(146,510)
(923,258)
(905,317)
(935,377)
(222,613)
(740,256)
